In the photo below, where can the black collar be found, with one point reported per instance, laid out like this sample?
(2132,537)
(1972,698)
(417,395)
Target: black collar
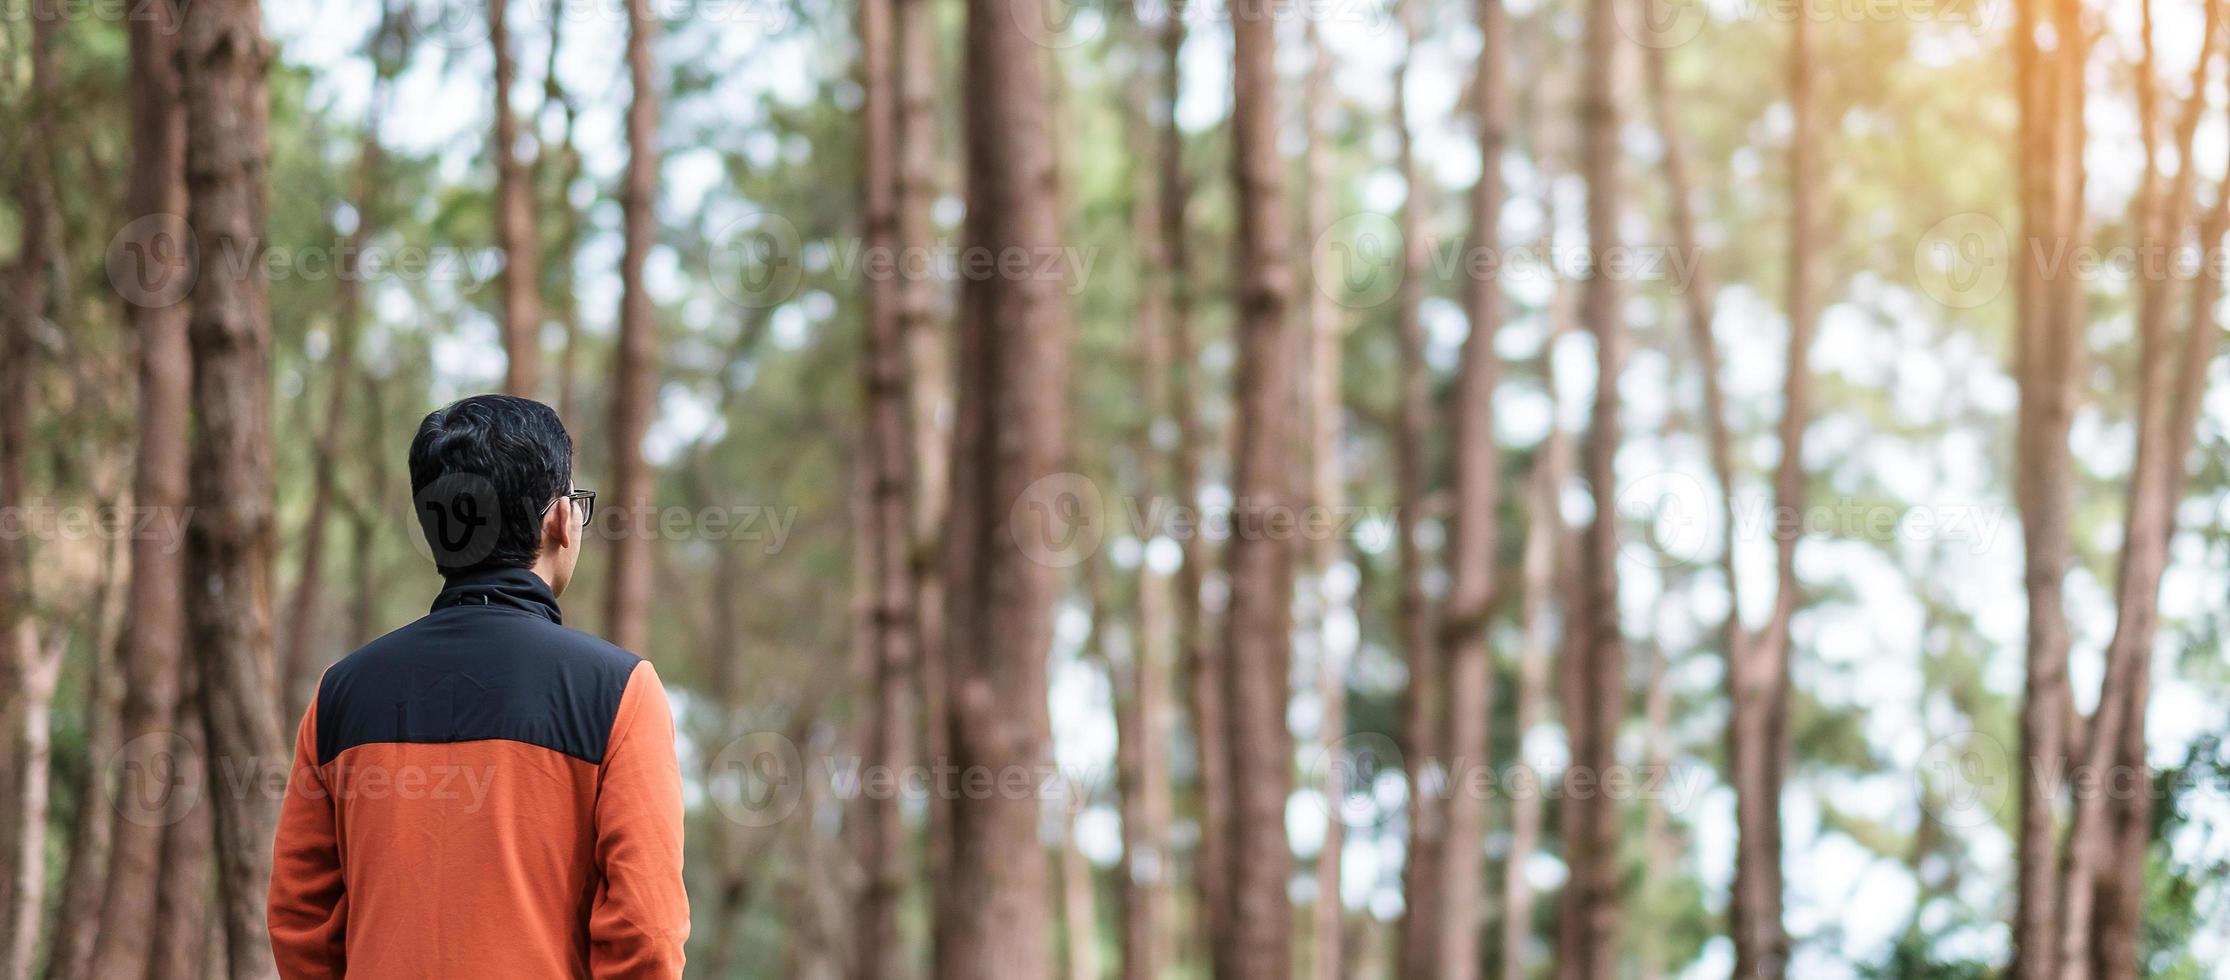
(516,588)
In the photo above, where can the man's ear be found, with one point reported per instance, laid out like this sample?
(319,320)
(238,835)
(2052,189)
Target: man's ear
(559,526)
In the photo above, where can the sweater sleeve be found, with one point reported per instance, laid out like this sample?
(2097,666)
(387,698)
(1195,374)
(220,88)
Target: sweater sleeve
(641,918)
(308,900)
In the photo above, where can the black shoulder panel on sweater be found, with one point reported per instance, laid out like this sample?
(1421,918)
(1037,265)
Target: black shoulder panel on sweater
(475,672)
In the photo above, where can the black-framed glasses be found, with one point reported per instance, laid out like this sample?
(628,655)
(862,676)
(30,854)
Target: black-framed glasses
(584,501)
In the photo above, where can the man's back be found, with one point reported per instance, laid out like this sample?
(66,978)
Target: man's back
(483,793)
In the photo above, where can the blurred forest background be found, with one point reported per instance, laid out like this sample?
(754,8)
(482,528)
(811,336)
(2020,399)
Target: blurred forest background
(1202,410)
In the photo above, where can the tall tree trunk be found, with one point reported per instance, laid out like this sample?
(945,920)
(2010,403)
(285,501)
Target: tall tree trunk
(2048,354)
(2116,731)
(1545,544)
(153,654)
(888,536)
(1547,556)
(300,656)
(1010,432)
(229,544)
(78,917)
(1142,722)
(1203,663)
(635,375)
(1476,460)
(1660,849)
(1321,407)
(1079,931)
(2120,910)
(1141,684)
(1758,738)
(182,942)
(929,355)
(26,705)
(1258,626)
(568,162)
(1421,708)
(515,224)
(1595,689)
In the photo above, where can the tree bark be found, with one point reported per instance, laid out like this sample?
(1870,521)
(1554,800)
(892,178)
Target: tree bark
(2047,358)
(568,161)
(1258,626)
(888,536)
(1202,663)
(1758,737)
(153,654)
(2120,902)
(635,374)
(1476,459)
(2116,732)
(929,354)
(1321,407)
(1142,723)
(1595,689)
(78,916)
(178,947)
(1079,931)
(1422,760)
(31,669)
(300,657)
(1545,543)
(515,223)
(1010,432)
(229,544)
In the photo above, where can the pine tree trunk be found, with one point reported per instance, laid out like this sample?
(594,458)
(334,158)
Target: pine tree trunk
(31,670)
(1202,664)
(1010,433)
(153,656)
(1321,407)
(635,373)
(889,531)
(2116,731)
(1472,553)
(184,937)
(1142,722)
(2121,893)
(2048,354)
(568,162)
(1079,931)
(515,223)
(1421,707)
(92,832)
(1547,558)
(1595,671)
(300,656)
(229,544)
(1259,623)
(1758,740)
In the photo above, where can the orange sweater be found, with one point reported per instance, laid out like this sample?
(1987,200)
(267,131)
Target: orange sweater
(483,794)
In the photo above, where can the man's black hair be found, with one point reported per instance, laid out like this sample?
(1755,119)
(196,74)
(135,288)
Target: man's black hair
(483,471)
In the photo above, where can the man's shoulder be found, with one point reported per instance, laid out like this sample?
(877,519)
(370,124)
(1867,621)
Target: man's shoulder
(434,637)
(455,678)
